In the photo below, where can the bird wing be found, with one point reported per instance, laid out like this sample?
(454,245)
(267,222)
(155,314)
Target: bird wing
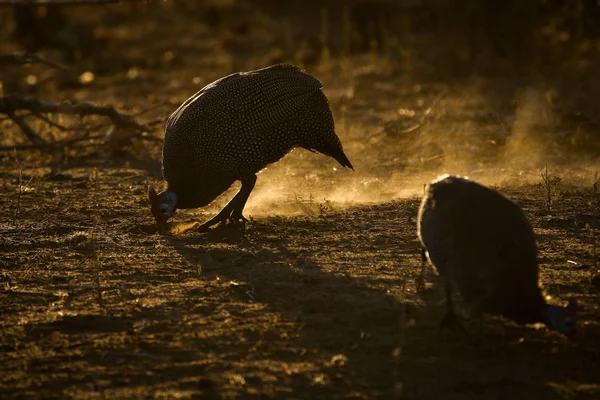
(254,100)
(272,95)
(172,120)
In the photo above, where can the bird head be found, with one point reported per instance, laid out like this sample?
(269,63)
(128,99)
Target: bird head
(562,319)
(162,205)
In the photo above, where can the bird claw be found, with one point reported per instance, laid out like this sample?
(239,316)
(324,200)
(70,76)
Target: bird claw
(238,221)
(233,219)
(237,218)
(420,283)
(205,227)
(452,321)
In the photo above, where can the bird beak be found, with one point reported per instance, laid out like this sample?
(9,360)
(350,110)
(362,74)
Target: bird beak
(154,200)
(161,223)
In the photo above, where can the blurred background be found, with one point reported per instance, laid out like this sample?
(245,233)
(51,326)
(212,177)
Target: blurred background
(491,89)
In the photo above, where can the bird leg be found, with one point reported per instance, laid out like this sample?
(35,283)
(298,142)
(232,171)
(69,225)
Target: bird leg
(247,187)
(420,281)
(233,210)
(450,319)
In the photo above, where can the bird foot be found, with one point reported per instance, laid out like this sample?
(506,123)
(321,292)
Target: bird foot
(420,283)
(212,222)
(222,220)
(205,227)
(237,217)
(451,321)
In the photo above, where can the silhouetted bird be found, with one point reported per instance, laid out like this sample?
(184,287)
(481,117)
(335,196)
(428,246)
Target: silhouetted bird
(233,128)
(483,245)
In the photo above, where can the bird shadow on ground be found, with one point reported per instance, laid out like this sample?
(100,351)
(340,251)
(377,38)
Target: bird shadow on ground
(314,307)
(357,316)
(338,320)
(504,360)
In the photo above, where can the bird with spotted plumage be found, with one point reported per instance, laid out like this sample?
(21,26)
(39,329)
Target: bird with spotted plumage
(483,245)
(233,128)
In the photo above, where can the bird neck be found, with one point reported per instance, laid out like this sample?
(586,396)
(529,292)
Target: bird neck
(551,316)
(198,195)
(172,200)
(172,196)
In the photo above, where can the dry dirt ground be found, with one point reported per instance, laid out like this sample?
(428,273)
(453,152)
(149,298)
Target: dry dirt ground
(316,296)
(290,307)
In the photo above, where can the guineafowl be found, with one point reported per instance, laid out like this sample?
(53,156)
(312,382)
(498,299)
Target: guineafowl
(232,129)
(483,245)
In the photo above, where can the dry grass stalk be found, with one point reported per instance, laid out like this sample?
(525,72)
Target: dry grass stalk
(546,181)
(22,188)
(92,237)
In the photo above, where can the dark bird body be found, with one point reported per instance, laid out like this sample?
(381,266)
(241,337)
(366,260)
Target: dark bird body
(235,127)
(484,246)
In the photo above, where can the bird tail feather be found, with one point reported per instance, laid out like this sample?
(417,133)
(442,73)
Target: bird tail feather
(343,160)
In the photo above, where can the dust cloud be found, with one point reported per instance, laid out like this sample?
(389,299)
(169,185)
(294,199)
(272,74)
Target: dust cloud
(531,140)
(280,195)
(499,151)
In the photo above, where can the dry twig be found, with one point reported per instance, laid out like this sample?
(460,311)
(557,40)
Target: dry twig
(92,236)
(22,188)
(546,181)
(10,105)
(28,58)
(36,3)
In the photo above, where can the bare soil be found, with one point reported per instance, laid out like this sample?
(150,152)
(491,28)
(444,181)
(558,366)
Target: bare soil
(315,297)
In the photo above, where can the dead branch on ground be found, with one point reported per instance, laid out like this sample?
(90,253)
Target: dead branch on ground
(37,3)
(124,126)
(28,58)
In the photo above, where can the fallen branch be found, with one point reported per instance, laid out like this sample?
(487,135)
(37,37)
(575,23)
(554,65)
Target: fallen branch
(11,104)
(51,123)
(28,58)
(73,142)
(30,133)
(36,3)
